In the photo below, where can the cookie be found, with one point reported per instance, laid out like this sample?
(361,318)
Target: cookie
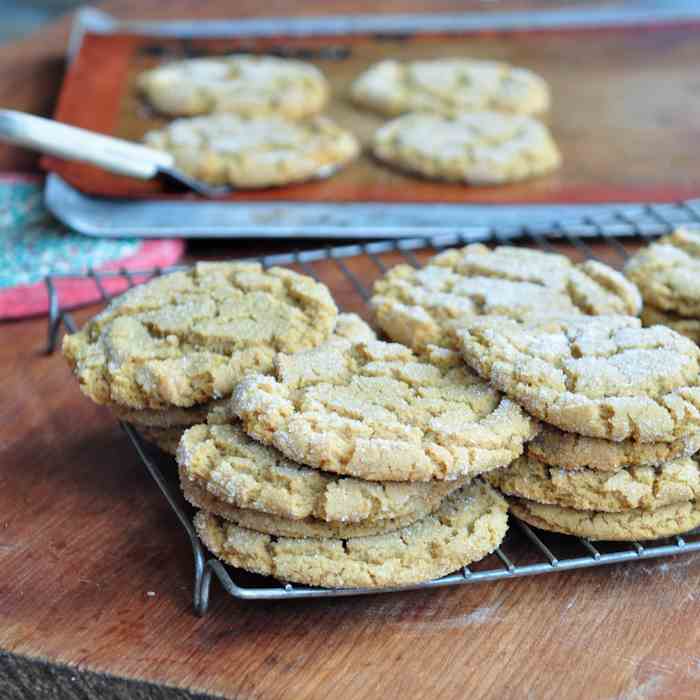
(188,337)
(239,471)
(450,86)
(470,524)
(689,327)
(572,451)
(479,148)
(258,521)
(167,439)
(642,488)
(241,84)
(348,326)
(249,152)
(668,273)
(632,525)
(378,412)
(424,307)
(172,417)
(600,376)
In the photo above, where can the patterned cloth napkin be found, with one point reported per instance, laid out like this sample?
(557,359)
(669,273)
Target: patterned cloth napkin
(33,245)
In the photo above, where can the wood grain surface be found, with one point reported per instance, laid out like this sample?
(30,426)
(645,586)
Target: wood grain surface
(97,573)
(85,539)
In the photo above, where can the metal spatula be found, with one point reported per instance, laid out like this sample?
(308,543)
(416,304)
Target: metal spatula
(115,155)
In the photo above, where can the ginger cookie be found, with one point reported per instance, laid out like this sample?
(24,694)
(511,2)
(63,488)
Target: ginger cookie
(599,376)
(450,86)
(479,148)
(276,525)
(571,451)
(376,411)
(240,84)
(642,488)
(239,471)
(188,337)
(674,519)
(423,307)
(348,326)
(667,273)
(249,152)
(469,525)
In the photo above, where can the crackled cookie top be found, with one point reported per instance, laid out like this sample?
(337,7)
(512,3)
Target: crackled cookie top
(277,525)
(376,411)
(239,471)
(348,326)
(246,85)
(425,306)
(255,151)
(668,273)
(689,327)
(480,148)
(643,488)
(470,524)
(450,86)
(188,337)
(674,519)
(600,376)
(572,451)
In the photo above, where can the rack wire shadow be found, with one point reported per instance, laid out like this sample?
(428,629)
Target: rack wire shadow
(526,551)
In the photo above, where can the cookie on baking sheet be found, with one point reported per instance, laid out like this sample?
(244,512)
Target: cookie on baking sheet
(674,519)
(167,439)
(248,152)
(643,488)
(239,471)
(245,85)
(479,148)
(376,411)
(450,86)
(689,327)
(469,525)
(285,527)
(600,376)
(571,451)
(421,307)
(667,273)
(188,337)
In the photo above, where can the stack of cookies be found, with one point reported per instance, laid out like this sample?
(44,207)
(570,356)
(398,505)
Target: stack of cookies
(320,455)
(621,407)
(353,466)
(618,404)
(339,460)
(460,119)
(668,275)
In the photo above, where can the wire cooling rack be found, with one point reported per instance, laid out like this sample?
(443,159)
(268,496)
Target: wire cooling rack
(525,551)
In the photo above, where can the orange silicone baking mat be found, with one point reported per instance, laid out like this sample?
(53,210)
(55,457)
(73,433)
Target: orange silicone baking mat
(626,109)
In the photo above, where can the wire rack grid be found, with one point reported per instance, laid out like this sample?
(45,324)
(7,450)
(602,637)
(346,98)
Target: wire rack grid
(525,551)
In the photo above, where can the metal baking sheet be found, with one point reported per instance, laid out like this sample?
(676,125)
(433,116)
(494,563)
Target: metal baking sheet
(272,218)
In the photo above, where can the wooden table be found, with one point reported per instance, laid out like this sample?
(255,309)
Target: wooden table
(95,572)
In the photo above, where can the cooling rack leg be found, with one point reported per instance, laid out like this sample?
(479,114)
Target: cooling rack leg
(201,593)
